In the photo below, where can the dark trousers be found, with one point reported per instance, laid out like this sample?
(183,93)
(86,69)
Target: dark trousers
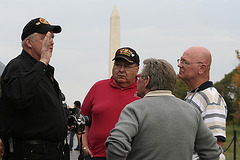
(26,151)
(71,140)
(95,158)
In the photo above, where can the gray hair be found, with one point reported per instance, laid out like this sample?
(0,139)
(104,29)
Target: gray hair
(31,36)
(161,73)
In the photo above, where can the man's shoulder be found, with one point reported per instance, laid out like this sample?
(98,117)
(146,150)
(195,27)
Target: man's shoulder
(209,96)
(14,64)
(210,89)
(161,99)
(99,85)
(15,60)
(210,93)
(101,82)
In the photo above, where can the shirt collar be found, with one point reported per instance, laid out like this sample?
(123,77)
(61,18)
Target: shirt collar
(33,61)
(29,57)
(203,86)
(159,93)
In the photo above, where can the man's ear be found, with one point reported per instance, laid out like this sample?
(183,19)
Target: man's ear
(137,69)
(28,42)
(147,81)
(202,69)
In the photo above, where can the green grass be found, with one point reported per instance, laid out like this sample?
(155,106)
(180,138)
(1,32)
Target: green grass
(230,133)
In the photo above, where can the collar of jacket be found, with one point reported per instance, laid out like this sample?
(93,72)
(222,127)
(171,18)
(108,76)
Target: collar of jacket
(159,93)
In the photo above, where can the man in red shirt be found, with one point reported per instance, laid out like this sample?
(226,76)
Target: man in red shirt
(106,99)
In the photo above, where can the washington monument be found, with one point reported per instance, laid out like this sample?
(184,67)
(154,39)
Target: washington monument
(114,37)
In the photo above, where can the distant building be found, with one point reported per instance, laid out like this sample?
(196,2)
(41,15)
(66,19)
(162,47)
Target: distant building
(114,37)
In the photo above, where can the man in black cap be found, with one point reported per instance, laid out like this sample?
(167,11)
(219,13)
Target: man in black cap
(106,99)
(32,120)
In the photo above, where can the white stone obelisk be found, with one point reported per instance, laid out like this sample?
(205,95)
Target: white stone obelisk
(114,37)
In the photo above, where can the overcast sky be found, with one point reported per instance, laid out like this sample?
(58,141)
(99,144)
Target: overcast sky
(154,28)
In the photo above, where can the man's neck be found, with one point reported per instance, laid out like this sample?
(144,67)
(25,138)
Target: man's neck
(29,51)
(196,83)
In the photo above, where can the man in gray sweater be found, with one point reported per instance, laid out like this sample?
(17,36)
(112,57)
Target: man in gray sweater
(160,126)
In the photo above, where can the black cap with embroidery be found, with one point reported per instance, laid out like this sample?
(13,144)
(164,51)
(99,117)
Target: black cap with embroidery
(39,25)
(128,54)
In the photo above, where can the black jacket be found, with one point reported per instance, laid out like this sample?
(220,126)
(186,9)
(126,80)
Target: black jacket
(31,105)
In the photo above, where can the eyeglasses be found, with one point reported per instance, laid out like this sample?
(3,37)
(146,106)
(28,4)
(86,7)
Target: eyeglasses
(143,77)
(125,66)
(185,63)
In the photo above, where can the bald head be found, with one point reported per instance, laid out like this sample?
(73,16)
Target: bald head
(194,66)
(199,54)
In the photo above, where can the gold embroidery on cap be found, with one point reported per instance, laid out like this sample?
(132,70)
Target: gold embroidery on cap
(127,52)
(44,21)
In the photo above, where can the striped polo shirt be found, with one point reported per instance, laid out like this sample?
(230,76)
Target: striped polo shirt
(212,108)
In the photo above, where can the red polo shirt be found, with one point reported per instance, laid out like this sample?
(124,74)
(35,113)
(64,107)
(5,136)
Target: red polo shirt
(103,104)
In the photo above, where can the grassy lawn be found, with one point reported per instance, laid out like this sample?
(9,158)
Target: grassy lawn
(230,134)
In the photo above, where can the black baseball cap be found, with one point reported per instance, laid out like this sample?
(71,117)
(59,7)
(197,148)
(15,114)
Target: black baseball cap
(39,25)
(128,54)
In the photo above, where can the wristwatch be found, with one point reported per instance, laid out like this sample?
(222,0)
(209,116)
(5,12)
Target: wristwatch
(84,148)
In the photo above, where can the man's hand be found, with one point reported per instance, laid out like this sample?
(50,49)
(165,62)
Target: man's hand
(47,48)
(1,149)
(87,152)
(220,143)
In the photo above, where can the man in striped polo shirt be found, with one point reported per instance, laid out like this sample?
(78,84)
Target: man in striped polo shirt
(194,67)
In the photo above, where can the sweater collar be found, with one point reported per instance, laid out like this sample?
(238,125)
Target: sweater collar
(159,93)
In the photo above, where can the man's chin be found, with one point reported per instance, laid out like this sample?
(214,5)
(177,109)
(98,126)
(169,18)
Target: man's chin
(179,75)
(121,81)
(121,78)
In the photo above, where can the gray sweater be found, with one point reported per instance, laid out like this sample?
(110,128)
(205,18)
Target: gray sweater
(161,127)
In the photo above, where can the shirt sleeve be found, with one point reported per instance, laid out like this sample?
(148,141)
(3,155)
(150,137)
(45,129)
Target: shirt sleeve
(119,142)
(88,102)
(215,118)
(206,144)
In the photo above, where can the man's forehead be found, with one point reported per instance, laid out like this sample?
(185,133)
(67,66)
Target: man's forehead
(187,54)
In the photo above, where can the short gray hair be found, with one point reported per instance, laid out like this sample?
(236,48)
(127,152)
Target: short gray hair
(31,36)
(161,73)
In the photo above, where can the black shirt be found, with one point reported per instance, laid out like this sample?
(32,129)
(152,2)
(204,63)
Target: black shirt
(31,105)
